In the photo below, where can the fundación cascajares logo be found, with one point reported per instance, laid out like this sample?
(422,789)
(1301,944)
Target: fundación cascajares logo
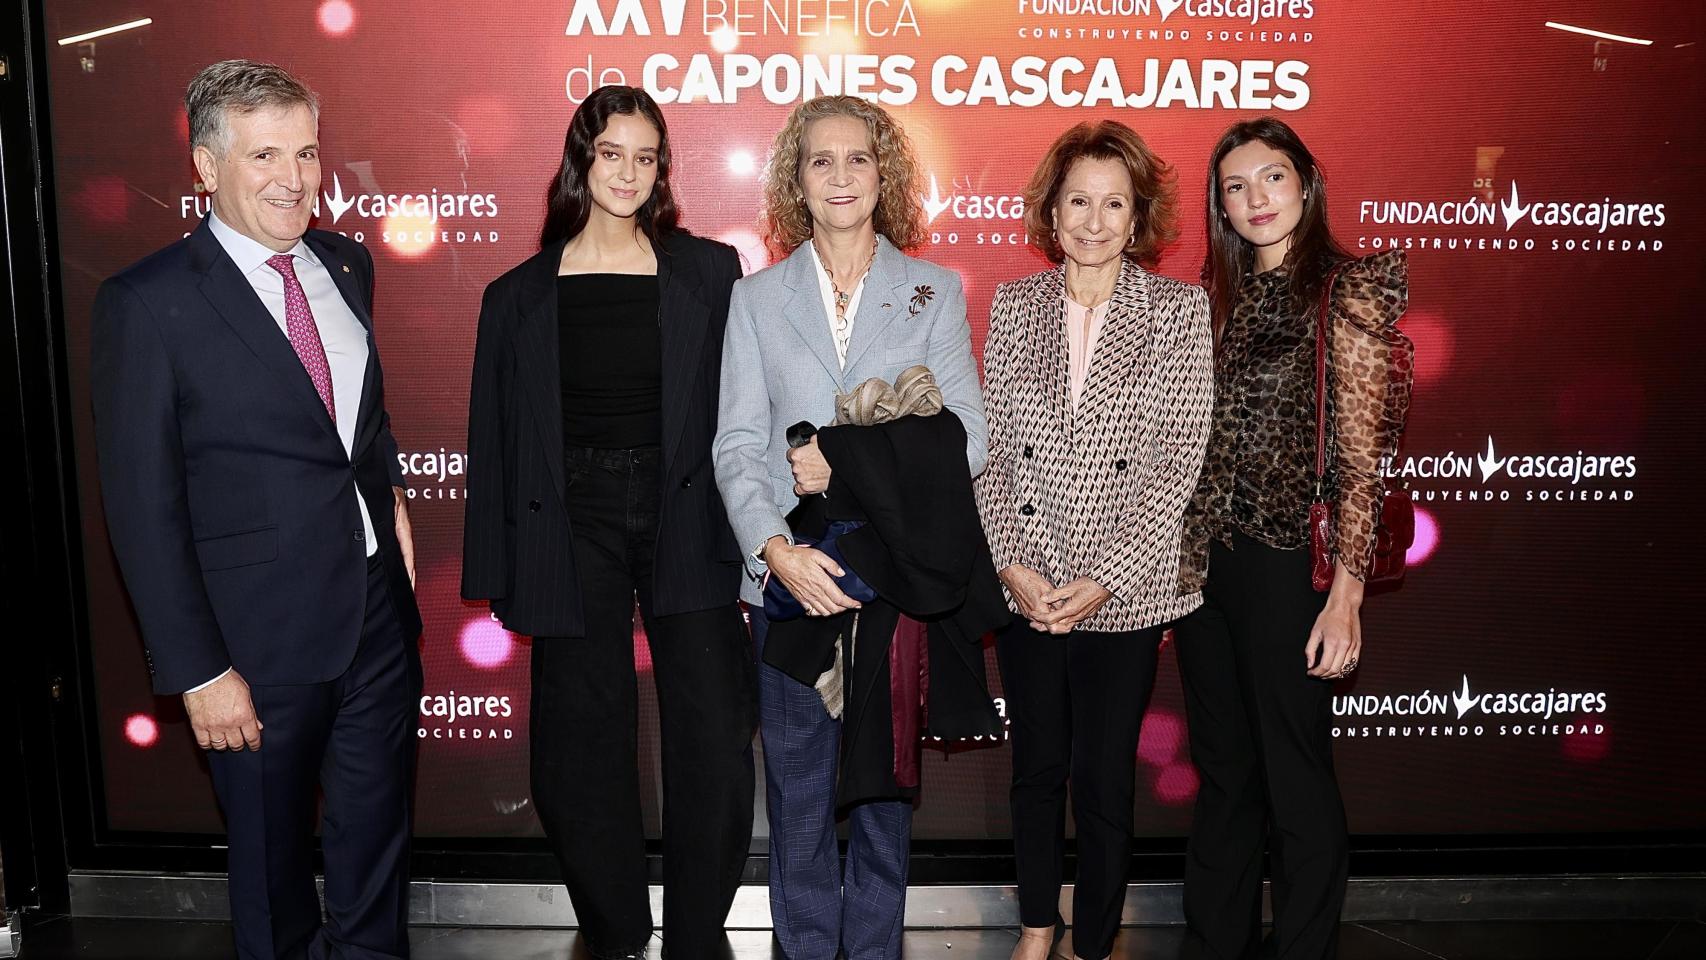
(1463,712)
(1244,11)
(461,716)
(1489,476)
(410,221)
(441,473)
(1515,222)
(991,219)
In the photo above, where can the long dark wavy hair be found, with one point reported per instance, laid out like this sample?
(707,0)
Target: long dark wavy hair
(568,203)
(1313,252)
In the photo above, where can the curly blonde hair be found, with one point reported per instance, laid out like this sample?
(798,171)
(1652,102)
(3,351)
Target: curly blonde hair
(900,209)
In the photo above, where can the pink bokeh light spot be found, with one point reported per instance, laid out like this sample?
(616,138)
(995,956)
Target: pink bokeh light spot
(1435,344)
(489,121)
(337,17)
(141,730)
(1162,738)
(485,643)
(1176,785)
(1427,539)
(104,199)
(1589,742)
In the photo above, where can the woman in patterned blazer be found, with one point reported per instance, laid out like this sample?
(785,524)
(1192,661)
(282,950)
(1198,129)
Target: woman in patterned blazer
(1098,386)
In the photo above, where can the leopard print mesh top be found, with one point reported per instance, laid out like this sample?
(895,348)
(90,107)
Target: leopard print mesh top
(1258,477)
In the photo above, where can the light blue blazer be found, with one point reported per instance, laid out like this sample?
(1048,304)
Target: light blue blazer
(779,368)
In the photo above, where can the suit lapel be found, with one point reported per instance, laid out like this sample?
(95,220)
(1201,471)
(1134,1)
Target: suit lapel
(1048,340)
(682,318)
(883,296)
(236,302)
(537,360)
(805,310)
(349,285)
(1118,358)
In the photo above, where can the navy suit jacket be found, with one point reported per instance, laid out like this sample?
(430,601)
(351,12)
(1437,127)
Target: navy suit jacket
(229,498)
(517,545)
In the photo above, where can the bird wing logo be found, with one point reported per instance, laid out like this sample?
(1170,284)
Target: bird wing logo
(934,202)
(336,199)
(1513,209)
(1167,7)
(1463,699)
(1489,462)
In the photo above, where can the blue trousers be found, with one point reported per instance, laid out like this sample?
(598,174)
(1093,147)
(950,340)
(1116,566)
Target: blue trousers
(816,906)
(354,738)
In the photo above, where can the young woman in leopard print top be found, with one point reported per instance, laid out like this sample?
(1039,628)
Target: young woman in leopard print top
(1258,656)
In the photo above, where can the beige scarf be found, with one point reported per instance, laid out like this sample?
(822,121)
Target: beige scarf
(872,402)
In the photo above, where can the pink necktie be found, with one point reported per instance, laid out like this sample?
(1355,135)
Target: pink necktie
(304,336)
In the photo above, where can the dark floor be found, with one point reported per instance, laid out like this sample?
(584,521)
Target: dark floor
(88,939)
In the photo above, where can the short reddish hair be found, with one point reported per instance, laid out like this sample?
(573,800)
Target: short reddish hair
(1154,195)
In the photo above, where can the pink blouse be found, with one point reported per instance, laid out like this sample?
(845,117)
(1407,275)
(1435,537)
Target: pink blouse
(1083,327)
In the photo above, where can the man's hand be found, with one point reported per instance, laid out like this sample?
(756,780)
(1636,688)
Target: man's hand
(809,574)
(1072,603)
(405,533)
(811,471)
(223,716)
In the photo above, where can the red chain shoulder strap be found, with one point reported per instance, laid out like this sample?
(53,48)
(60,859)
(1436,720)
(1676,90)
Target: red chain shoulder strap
(1321,323)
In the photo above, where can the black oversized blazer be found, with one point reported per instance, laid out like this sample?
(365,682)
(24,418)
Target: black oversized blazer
(516,541)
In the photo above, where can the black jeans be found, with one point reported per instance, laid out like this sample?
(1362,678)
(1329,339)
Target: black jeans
(586,783)
(1261,737)
(1076,702)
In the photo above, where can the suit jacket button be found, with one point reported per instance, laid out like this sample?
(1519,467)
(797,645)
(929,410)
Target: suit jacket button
(533,505)
(1027,510)
(1120,464)
(359,536)
(686,482)
(1027,453)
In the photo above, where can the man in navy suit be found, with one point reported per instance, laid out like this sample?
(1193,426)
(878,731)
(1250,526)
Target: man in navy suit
(255,504)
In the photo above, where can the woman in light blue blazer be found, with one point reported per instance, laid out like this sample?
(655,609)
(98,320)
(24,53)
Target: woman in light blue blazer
(841,202)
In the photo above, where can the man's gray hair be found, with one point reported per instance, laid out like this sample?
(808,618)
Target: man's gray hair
(244,86)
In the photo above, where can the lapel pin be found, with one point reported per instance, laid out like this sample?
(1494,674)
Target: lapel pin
(346,268)
(886,306)
(921,296)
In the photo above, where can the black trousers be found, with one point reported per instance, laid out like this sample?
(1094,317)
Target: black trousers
(1261,737)
(1076,704)
(584,749)
(354,738)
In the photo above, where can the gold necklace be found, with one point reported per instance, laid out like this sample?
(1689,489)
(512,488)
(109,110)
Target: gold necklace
(843,299)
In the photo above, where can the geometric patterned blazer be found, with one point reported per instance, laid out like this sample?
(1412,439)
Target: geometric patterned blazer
(1101,491)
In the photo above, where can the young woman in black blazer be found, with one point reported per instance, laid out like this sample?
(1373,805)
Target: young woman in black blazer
(593,406)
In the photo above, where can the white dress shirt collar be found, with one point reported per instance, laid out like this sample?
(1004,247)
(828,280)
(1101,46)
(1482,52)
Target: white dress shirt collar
(249,253)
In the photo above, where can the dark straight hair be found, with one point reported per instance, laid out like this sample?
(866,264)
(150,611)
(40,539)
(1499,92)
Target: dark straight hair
(1313,252)
(568,203)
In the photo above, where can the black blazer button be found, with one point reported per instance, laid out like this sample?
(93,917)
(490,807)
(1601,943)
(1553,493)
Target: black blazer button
(686,482)
(1027,453)
(359,536)
(1027,510)
(533,505)
(1120,464)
